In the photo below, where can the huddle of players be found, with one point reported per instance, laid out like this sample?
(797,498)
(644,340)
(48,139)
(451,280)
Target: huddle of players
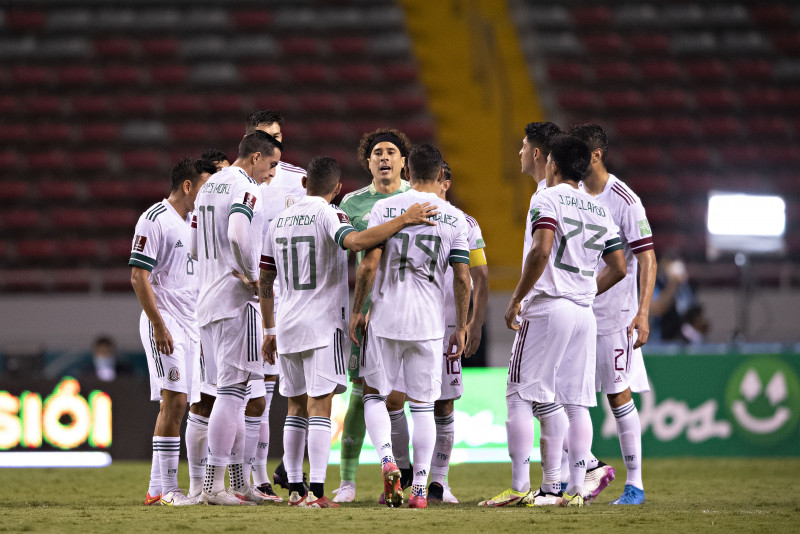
(213,358)
(579,321)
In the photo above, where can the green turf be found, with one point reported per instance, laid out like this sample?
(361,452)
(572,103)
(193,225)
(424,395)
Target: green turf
(683,495)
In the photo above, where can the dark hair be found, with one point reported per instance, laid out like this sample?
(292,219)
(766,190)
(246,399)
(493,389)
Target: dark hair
(572,157)
(214,155)
(258,141)
(104,339)
(266,116)
(447,172)
(424,162)
(205,165)
(365,144)
(593,135)
(322,175)
(184,170)
(541,135)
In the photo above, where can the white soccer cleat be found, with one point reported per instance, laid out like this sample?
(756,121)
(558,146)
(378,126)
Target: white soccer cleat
(253,495)
(223,498)
(447,495)
(597,480)
(177,498)
(346,492)
(540,498)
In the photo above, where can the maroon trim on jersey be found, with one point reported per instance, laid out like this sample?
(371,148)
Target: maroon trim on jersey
(194,221)
(641,245)
(472,222)
(267,263)
(516,356)
(138,243)
(626,196)
(546,223)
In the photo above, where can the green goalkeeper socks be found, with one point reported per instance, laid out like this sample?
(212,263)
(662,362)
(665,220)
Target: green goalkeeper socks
(353,434)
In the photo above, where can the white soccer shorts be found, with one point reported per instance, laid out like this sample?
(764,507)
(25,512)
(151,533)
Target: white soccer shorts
(235,344)
(619,365)
(315,372)
(179,371)
(452,383)
(553,356)
(382,359)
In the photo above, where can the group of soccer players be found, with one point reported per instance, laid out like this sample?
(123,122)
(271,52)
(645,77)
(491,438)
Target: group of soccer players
(242,277)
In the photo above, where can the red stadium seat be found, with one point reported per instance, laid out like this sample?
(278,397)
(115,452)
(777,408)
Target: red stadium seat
(609,43)
(661,70)
(779,154)
(771,15)
(791,98)
(650,43)
(230,130)
(136,105)
(91,105)
(118,280)
(266,74)
(13,190)
(80,75)
(150,190)
(309,73)
(160,47)
(650,183)
(21,218)
(91,160)
(108,131)
(190,131)
(675,127)
(169,74)
(183,104)
(107,190)
(343,46)
(70,218)
(25,20)
(37,249)
(54,132)
(716,127)
(707,69)
(612,71)
(9,160)
(695,182)
(116,218)
(419,130)
(741,154)
(8,104)
(320,103)
(328,130)
(694,155)
(762,98)
(774,126)
(635,128)
(716,99)
(566,71)
(408,102)
(365,102)
(252,19)
(30,75)
(623,100)
(649,156)
(226,104)
(355,73)
(274,101)
(128,75)
(577,100)
(14,132)
(752,69)
(114,46)
(41,104)
(59,190)
(120,248)
(668,99)
(661,213)
(141,159)
(591,15)
(54,160)
(300,46)
(23,280)
(788,42)
(401,72)
(74,280)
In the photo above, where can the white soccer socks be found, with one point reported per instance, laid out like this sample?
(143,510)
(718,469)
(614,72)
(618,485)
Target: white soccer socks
(319,449)
(252,429)
(400,438)
(260,475)
(294,443)
(629,428)
(580,445)
(155,472)
(424,441)
(443,449)
(554,423)
(196,450)
(222,429)
(519,428)
(379,427)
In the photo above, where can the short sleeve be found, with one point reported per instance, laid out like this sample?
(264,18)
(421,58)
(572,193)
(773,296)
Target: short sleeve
(612,241)
(375,217)
(475,237)
(542,213)
(146,241)
(267,261)
(246,201)
(636,228)
(337,224)
(459,250)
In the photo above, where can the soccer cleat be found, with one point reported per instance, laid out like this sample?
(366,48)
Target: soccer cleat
(406,477)
(382,499)
(392,491)
(152,500)
(571,500)
(435,492)
(295,499)
(508,497)
(417,498)
(253,495)
(541,498)
(270,496)
(597,480)
(630,495)
(311,501)
(448,496)
(223,498)
(281,478)
(346,492)
(177,498)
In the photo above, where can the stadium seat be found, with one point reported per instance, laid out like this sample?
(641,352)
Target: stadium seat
(344,46)
(41,105)
(614,71)
(690,155)
(771,16)
(695,182)
(650,43)
(707,70)
(762,98)
(407,102)
(127,75)
(748,70)
(675,127)
(117,280)
(782,154)
(693,43)
(54,133)
(38,249)
(791,98)
(591,15)
(19,218)
(281,101)
(648,156)
(150,190)
(314,103)
(715,99)
(141,159)
(724,126)
(400,72)
(169,74)
(53,160)
(100,131)
(355,73)
(565,71)
(136,105)
(602,44)
(72,280)
(9,159)
(768,127)
(107,190)
(328,130)
(77,75)
(577,100)
(114,47)
(787,42)
(30,75)
(309,73)
(264,74)
(300,46)
(70,218)
(634,128)
(251,19)
(119,248)
(651,183)
(190,131)
(365,102)
(8,104)
(25,20)
(745,42)
(661,71)
(116,218)
(227,104)
(160,47)
(61,190)
(667,99)
(26,280)
(13,133)
(91,105)
(741,154)
(629,99)
(13,190)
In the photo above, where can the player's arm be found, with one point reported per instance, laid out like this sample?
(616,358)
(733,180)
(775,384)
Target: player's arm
(242,246)
(532,270)
(372,237)
(365,276)
(266,300)
(461,290)
(193,240)
(647,282)
(613,272)
(480,300)
(140,280)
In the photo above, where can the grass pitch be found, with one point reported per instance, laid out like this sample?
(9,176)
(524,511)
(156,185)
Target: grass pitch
(731,495)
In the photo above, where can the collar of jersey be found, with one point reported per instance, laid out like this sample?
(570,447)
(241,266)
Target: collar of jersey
(242,172)
(171,208)
(404,186)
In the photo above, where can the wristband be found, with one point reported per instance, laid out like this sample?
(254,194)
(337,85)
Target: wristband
(271,331)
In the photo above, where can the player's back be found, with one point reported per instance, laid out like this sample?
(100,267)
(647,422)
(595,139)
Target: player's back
(227,192)
(305,240)
(584,230)
(358,205)
(287,183)
(408,293)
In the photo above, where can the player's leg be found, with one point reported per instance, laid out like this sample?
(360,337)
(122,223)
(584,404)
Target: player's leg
(294,444)
(580,444)
(252,428)
(197,442)
(353,432)
(553,423)
(395,405)
(260,477)
(319,449)
(168,427)
(629,429)
(452,389)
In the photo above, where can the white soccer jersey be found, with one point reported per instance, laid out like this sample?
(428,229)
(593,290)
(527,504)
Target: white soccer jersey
(229,191)
(616,308)
(583,230)
(162,245)
(287,184)
(304,244)
(475,240)
(410,280)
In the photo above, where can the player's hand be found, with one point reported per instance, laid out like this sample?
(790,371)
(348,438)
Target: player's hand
(164,343)
(357,322)
(511,314)
(474,334)
(253,285)
(419,213)
(641,324)
(457,341)
(269,348)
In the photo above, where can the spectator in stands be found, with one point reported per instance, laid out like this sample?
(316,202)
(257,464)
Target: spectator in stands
(672,299)
(104,358)
(695,325)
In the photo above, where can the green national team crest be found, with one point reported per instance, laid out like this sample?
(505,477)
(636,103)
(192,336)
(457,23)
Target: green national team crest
(535,214)
(644,228)
(763,398)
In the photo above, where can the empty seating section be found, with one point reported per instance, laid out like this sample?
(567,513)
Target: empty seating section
(694,96)
(97,102)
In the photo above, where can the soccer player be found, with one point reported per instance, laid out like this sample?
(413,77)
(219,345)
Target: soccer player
(163,277)
(407,325)
(382,153)
(309,240)
(622,315)
(452,385)
(217,157)
(227,239)
(552,362)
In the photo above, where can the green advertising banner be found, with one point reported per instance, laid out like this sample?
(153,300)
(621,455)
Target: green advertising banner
(713,405)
